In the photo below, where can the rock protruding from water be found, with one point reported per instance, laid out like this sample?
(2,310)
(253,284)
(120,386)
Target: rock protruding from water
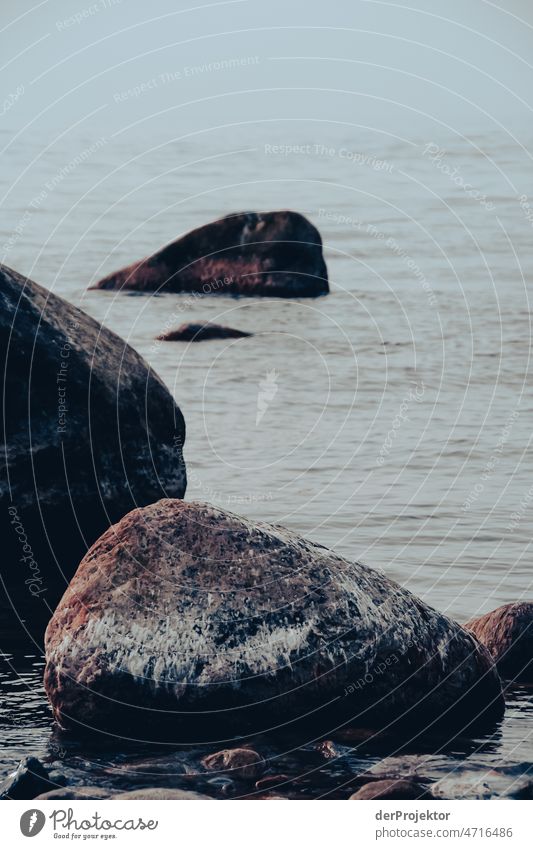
(30,779)
(218,623)
(192,332)
(273,254)
(507,632)
(88,433)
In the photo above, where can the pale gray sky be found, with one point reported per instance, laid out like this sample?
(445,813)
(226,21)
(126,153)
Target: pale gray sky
(383,62)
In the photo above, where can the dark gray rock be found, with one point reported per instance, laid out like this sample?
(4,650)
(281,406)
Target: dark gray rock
(219,623)
(88,432)
(274,254)
(241,763)
(28,781)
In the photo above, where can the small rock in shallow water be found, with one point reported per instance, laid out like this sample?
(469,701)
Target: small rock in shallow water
(272,781)
(165,766)
(507,632)
(242,763)
(201,333)
(81,792)
(28,781)
(395,788)
(406,766)
(328,749)
(161,793)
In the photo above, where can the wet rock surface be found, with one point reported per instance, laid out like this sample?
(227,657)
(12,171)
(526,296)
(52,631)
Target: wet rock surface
(273,254)
(395,788)
(88,432)
(158,616)
(241,763)
(28,780)
(201,333)
(507,632)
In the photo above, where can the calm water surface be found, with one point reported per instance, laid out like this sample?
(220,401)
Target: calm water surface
(398,413)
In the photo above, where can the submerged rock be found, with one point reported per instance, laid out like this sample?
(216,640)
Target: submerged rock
(201,332)
(88,432)
(275,254)
(270,781)
(393,788)
(28,781)
(219,623)
(507,632)
(242,763)
(168,766)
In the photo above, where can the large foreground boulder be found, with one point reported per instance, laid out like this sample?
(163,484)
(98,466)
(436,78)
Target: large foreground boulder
(188,619)
(275,254)
(88,432)
(507,632)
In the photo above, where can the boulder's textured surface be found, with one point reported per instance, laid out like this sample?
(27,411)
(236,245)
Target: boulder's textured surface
(393,788)
(88,432)
(168,766)
(275,254)
(216,622)
(507,632)
(201,333)
(29,780)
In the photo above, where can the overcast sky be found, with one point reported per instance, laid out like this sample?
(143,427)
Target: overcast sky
(192,65)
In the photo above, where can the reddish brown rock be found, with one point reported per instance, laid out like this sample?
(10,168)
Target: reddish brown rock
(507,632)
(395,788)
(242,763)
(274,254)
(214,622)
(201,333)
(272,781)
